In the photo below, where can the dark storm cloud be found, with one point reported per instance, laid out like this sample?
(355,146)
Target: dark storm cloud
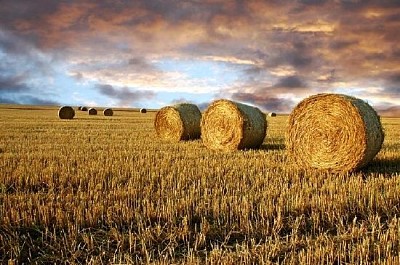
(290,82)
(124,95)
(26,100)
(33,100)
(263,99)
(13,84)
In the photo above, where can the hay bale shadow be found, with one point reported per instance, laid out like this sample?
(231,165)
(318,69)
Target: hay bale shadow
(382,166)
(267,147)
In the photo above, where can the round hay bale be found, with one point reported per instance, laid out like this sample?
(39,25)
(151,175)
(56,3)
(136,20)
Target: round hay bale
(92,111)
(84,108)
(228,126)
(333,131)
(80,107)
(66,112)
(272,114)
(143,110)
(108,112)
(178,122)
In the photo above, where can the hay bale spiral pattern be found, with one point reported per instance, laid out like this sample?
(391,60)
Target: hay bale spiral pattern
(228,126)
(333,131)
(66,112)
(178,122)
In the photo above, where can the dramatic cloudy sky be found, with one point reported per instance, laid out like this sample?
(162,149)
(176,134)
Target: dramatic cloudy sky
(150,53)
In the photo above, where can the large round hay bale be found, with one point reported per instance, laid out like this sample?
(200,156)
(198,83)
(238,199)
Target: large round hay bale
(92,111)
(143,110)
(108,112)
(83,108)
(66,112)
(178,122)
(333,131)
(228,126)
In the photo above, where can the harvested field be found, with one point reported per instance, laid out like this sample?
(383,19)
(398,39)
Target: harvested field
(122,195)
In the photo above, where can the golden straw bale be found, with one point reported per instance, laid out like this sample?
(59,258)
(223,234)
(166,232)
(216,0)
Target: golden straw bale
(333,131)
(108,112)
(143,110)
(178,122)
(66,112)
(228,126)
(92,111)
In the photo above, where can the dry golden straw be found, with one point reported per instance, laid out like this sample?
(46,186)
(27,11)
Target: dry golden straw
(228,126)
(108,112)
(333,131)
(66,112)
(178,122)
(92,111)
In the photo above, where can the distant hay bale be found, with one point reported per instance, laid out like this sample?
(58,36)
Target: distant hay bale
(272,114)
(178,122)
(84,108)
(333,131)
(92,111)
(228,126)
(108,112)
(66,112)
(80,107)
(143,110)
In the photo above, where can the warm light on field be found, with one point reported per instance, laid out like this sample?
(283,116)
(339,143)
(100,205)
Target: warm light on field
(99,189)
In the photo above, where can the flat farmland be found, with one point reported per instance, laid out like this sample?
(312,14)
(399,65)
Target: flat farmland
(104,190)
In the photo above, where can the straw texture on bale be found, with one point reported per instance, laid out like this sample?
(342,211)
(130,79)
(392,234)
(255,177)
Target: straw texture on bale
(92,111)
(66,112)
(333,132)
(83,108)
(143,110)
(228,126)
(178,122)
(108,112)
(272,114)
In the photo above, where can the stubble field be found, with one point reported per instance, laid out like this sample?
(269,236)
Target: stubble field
(101,190)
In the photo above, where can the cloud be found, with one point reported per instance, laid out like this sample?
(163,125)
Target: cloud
(290,82)
(263,99)
(27,100)
(13,84)
(124,95)
(280,47)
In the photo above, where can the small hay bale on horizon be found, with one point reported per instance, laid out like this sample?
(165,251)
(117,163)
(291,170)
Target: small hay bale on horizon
(272,114)
(66,112)
(143,110)
(178,122)
(92,111)
(83,108)
(227,126)
(80,107)
(108,112)
(333,132)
